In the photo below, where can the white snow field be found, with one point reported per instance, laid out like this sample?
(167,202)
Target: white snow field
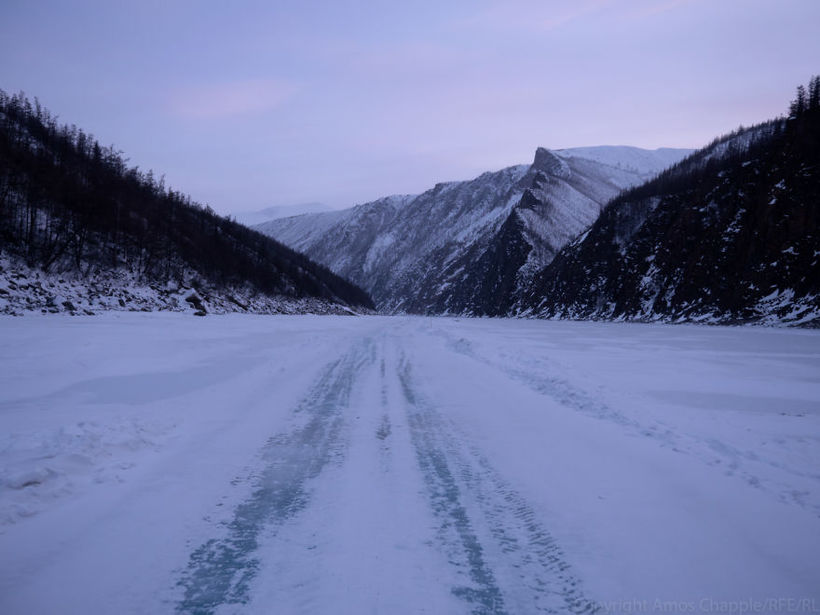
(159,463)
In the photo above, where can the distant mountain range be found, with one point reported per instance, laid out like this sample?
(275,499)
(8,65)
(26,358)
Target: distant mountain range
(470,247)
(252,218)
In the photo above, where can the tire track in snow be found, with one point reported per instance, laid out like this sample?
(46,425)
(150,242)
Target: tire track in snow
(561,390)
(385,428)
(490,533)
(220,571)
(711,451)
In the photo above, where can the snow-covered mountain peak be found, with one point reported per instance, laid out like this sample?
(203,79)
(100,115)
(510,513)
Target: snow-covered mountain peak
(645,163)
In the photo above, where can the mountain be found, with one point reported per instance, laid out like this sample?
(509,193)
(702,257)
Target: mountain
(731,234)
(470,247)
(252,218)
(75,219)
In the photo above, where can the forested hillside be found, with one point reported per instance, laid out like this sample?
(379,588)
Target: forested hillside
(729,235)
(69,205)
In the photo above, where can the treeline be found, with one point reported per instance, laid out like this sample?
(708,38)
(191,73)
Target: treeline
(724,151)
(66,202)
(807,100)
(730,150)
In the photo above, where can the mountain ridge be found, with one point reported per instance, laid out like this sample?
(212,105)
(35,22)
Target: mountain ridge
(412,252)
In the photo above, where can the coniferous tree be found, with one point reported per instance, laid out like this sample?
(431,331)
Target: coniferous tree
(814,92)
(799,104)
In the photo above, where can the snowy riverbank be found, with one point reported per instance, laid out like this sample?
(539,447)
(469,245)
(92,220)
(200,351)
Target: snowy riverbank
(26,290)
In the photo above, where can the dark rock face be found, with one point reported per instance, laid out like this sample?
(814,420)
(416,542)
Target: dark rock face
(491,284)
(494,283)
(550,164)
(196,303)
(729,237)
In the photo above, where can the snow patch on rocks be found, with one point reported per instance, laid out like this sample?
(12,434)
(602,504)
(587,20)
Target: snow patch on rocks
(27,290)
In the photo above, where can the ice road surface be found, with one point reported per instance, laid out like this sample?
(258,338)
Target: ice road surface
(158,463)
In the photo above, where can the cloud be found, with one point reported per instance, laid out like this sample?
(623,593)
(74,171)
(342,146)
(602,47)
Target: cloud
(212,101)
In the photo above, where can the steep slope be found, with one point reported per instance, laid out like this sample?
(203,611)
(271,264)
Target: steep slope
(472,246)
(729,235)
(73,209)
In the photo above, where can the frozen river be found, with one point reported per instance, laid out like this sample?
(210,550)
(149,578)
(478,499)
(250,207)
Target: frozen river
(158,463)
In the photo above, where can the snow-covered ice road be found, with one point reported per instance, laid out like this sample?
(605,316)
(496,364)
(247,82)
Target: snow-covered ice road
(155,463)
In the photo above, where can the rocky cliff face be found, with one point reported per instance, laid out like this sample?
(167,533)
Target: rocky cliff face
(470,247)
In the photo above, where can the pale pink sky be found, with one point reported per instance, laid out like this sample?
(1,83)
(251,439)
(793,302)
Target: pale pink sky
(250,104)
